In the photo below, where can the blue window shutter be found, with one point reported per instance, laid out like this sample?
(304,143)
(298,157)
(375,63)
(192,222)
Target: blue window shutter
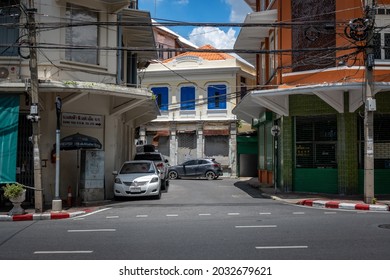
(161,94)
(187,98)
(216,97)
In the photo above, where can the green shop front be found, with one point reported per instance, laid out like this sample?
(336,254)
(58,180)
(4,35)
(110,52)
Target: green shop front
(320,148)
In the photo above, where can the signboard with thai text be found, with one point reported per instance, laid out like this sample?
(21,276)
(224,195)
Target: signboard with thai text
(82,120)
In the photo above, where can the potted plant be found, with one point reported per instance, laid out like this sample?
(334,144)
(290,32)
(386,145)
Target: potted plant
(16,193)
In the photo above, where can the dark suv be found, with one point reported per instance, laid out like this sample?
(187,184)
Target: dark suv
(161,163)
(203,167)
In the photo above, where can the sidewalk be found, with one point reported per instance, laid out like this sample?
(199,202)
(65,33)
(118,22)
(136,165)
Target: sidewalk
(333,201)
(48,214)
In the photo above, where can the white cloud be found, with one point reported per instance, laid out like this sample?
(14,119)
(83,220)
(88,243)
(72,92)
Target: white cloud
(239,9)
(217,37)
(214,36)
(182,2)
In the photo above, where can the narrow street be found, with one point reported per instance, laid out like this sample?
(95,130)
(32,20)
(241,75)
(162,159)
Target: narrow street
(202,220)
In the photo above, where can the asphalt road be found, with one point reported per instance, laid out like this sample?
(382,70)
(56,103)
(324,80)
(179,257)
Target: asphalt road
(202,220)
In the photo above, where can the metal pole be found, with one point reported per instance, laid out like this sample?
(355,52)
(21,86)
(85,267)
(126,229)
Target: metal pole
(370,107)
(57,202)
(57,185)
(34,110)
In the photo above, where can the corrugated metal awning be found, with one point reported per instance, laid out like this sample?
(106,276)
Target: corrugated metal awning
(139,36)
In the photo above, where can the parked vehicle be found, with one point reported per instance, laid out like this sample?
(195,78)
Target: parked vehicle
(204,167)
(137,178)
(161,163)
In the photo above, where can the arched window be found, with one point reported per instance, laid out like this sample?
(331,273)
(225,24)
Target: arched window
(161,94)
(216,97)
(187,98)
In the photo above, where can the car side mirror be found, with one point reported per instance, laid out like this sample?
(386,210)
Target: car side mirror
(114,172)
(166,161)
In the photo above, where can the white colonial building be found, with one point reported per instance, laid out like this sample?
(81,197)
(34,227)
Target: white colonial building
(196,92)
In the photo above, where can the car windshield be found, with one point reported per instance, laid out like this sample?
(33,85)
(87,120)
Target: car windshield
(137,167)
(154,157)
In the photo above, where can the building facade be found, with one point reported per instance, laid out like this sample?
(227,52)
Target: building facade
(88,61)
(313,95)
(196,92)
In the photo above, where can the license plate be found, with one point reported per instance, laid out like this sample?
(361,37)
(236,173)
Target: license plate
(135,189)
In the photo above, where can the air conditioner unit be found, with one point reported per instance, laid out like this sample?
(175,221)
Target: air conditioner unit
(9,73)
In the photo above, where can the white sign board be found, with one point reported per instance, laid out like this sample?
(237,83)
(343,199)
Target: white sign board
(82,120)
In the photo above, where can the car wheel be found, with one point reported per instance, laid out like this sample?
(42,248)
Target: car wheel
(173,175)
(158,196)
(210,175)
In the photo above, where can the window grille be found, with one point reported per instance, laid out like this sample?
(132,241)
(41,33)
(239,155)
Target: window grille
(9,28)
(381,141)
(82,35)
(316,142)
(25,163)
(216,146)
(186,146)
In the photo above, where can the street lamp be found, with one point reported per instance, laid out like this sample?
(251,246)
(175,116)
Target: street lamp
(57,202)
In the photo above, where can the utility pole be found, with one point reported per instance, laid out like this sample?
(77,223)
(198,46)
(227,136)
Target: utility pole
(34,109)
(370,107)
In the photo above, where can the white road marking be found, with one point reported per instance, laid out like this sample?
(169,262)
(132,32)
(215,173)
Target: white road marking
(172,215)
(258,226)
(141,216)
(112,217)
(298,213)
(206,214)
(281,247)
(63,252)
(233,214)
(265,213)
(91,213)
(92,230)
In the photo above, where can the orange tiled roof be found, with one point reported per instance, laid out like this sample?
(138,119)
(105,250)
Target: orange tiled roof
(204,55)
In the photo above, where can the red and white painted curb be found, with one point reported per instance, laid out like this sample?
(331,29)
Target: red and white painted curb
(44,216)
(343,205)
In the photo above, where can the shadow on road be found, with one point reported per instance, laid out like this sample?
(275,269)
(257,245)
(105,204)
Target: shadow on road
(246,187)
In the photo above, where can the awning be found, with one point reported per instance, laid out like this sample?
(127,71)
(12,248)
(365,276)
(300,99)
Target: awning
(156,137)
(250,38)
(216,132)
(277,100)
(115,5)
(139,36)
(111,6)
(136,104)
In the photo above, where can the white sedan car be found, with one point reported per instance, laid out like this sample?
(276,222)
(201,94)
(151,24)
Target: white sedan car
(137,178)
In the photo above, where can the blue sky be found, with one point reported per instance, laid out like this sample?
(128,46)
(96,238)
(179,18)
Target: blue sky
(215,11)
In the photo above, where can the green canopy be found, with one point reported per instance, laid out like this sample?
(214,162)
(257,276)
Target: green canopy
(9,117)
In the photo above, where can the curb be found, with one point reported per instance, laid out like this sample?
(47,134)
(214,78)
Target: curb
(44,216)
(343,205)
